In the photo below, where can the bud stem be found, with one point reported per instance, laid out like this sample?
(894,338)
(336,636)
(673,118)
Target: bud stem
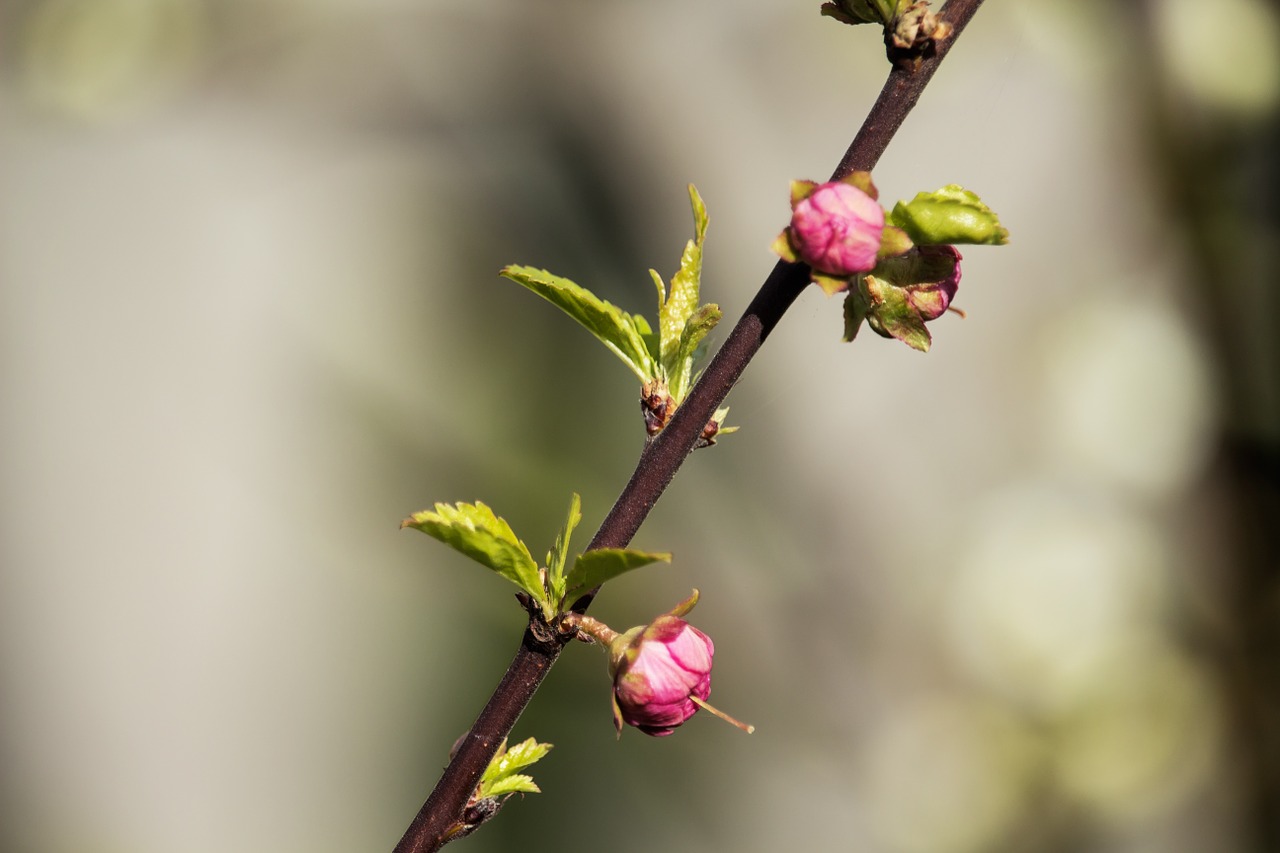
(591,626)
(708,707)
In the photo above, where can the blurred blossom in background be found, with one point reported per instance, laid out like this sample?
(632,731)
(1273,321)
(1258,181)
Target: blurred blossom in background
(1018,594)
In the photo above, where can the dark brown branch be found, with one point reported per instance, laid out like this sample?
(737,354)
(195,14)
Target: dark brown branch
(663,456)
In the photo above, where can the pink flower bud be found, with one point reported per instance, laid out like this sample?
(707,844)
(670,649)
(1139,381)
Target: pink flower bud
(836,229)
(658,673)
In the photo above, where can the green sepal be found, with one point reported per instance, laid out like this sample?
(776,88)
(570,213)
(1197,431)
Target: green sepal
(862,181)
(893,242)
(624,334)
(474,530)
(950,216)
(620,645)
(800,190)
(685,607)
(782,248)
(500,777)
(558,557)
(604,564)
(830,284)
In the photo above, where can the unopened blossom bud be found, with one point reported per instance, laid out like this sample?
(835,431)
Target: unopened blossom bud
(836,229)
(933,297)
(658,671)
(661,671)
(904,293)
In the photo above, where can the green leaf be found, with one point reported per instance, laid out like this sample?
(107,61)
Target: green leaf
(950,216)
(595,567)
(522,755)
(559,557)
(474,530)
(500,777)
(680,304)
(623,333)
(695,330)
(863,11)
(718,417)
(893,316)
(782,247)
(516,784)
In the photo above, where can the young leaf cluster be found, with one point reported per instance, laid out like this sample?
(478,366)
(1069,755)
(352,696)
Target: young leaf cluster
(501,776)
(664,361)
(499,783)
(474,530)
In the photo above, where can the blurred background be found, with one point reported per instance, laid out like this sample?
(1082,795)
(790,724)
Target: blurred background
(1020,593)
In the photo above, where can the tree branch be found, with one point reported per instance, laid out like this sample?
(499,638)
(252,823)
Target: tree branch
(663,456)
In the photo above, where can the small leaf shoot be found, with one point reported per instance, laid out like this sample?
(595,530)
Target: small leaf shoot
(559,556)
(500,777)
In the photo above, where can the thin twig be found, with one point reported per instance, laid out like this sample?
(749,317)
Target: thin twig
(663,456)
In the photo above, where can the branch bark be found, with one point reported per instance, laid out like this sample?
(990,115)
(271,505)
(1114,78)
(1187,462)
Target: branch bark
(663,456)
